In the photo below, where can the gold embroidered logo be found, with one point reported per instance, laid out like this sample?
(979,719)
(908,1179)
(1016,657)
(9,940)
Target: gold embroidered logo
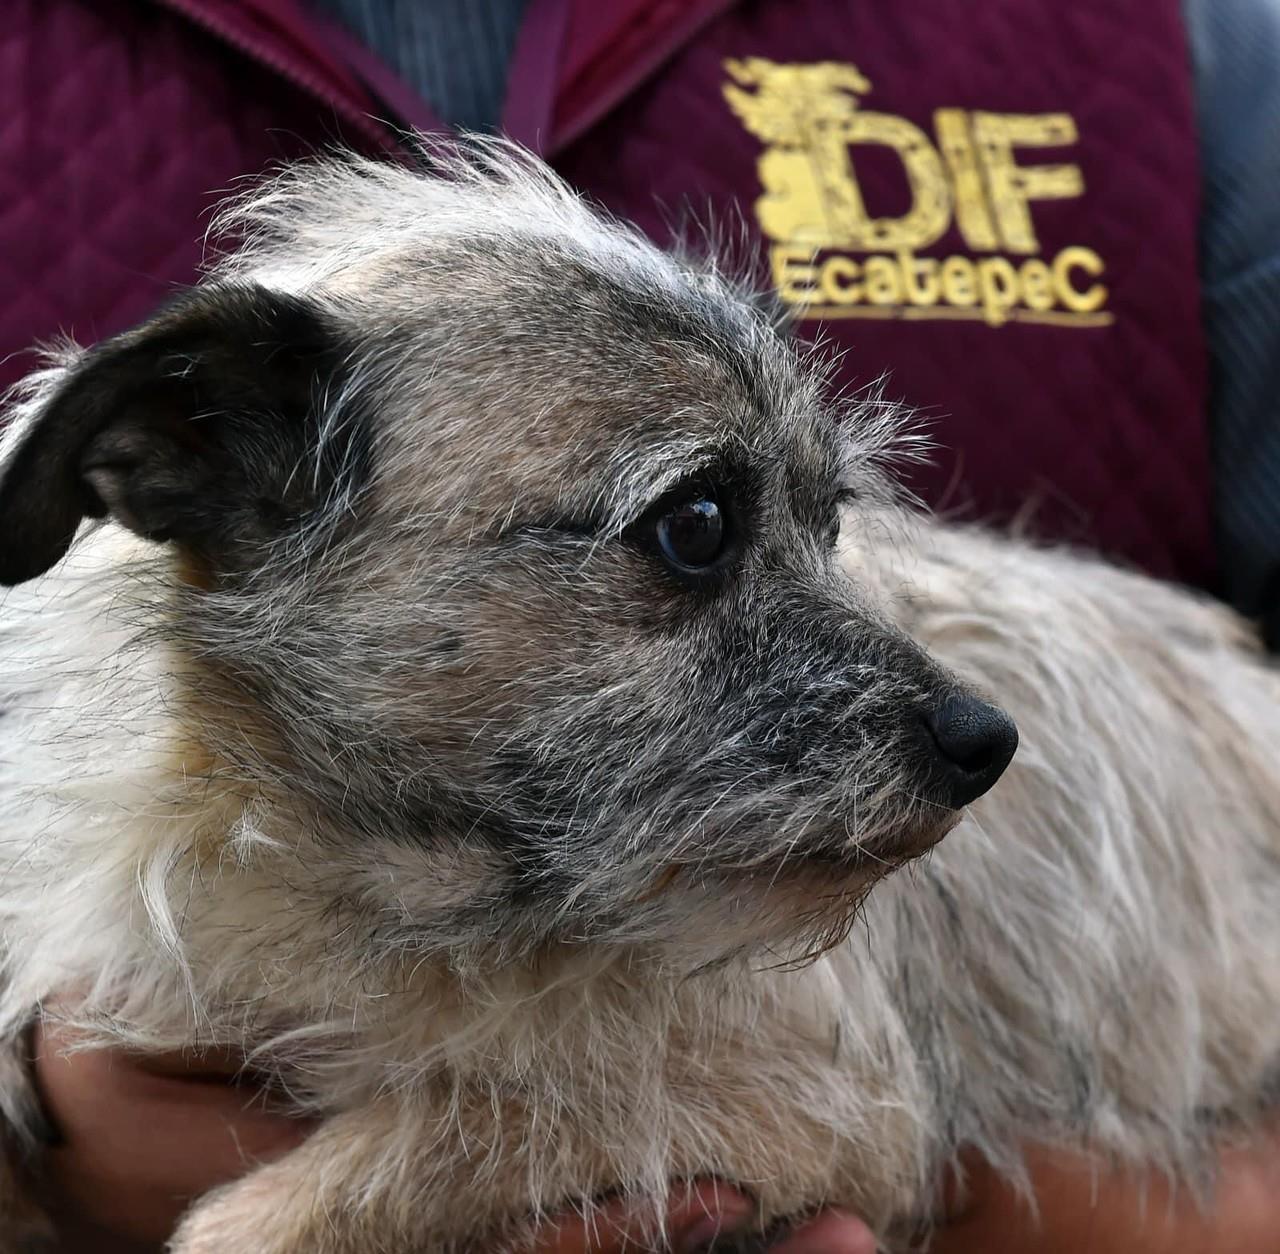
(810,119)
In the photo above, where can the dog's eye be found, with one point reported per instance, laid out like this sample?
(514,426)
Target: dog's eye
(844,496)
(691,536)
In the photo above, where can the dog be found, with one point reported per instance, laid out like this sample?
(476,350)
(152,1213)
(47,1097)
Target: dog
(494,688)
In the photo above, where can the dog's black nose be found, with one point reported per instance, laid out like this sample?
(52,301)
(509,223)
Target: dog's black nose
(973,742)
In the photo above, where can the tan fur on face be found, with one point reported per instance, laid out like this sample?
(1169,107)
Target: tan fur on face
(221,808)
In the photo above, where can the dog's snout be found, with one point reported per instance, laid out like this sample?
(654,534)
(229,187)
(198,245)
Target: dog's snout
(972,743)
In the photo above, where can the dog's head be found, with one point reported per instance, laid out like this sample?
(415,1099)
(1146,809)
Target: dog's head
(505,548)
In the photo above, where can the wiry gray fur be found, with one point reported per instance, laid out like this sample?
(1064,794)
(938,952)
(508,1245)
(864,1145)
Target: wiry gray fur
(409,769)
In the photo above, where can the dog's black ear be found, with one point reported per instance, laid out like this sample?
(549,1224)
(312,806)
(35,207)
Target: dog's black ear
(203,426)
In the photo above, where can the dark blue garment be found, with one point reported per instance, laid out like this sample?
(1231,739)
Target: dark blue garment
(1235,47)
(454,52)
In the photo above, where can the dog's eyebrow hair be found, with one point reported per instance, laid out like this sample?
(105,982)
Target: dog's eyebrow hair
(716,458)
(593,521)
(711,465)
(585,525)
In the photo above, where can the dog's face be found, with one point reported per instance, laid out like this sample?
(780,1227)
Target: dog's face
(506,549)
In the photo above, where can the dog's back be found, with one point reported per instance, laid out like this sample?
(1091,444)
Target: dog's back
(1091,955)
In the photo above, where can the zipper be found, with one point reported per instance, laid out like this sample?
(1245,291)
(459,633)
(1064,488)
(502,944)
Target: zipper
(312,84)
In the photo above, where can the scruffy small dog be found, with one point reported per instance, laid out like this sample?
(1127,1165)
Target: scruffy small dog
(500,677)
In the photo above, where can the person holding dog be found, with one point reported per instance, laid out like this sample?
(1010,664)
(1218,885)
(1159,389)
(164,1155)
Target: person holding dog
(138,1138)
(1014,272)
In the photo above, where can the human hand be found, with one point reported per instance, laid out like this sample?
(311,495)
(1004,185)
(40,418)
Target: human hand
(1119,1213)
(141,1137)
(696,1214)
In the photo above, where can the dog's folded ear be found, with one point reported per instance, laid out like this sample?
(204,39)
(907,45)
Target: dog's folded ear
(211,426)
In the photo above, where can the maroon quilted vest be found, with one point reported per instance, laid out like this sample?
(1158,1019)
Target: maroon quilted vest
(994,205)
(121,122)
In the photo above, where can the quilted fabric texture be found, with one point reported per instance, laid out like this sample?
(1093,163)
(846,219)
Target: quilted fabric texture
(124,120)
(122,126)
(1092,434)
